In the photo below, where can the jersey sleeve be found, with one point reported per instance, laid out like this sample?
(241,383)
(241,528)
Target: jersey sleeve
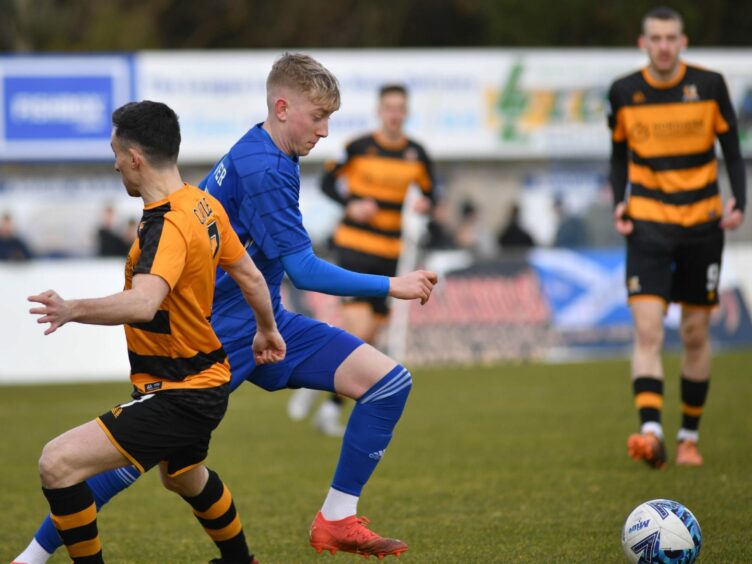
(269,211)
(615,123)
(330,185)
(230,247)
(728,136)
(726,117)
(163,250)
(426,178)
(618,170)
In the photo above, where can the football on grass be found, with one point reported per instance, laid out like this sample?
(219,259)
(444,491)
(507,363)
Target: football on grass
(662,531)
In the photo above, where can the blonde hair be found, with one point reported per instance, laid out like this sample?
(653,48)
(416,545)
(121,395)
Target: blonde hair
(305,75)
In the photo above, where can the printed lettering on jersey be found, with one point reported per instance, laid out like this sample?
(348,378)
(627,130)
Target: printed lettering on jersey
(410,154)
(690,93)
(679,129)
(639,133)
(202,211)
(220,172)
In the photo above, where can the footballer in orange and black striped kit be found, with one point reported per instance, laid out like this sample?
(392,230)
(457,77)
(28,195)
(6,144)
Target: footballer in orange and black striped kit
(665,119)
(669,131)
(178,367)
(371,183)
(382,171)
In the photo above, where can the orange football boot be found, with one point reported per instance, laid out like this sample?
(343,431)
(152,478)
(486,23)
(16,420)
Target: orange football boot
(352,534)
(647,447)
(687,454)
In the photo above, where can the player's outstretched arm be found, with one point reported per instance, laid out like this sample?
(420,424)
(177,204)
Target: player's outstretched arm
(268,344)
(309,272)
(136,305)
(416,285)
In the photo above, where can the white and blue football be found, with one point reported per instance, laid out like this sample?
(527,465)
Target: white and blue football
(661,531)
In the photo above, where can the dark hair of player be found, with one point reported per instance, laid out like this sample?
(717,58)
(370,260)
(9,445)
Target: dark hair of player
(153,126)
(392,88)
(662,13)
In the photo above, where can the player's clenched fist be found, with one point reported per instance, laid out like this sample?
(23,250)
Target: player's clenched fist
(268,347)
(413,286)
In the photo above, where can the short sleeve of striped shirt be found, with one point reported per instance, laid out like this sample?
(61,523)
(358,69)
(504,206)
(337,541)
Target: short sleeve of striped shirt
(163,251)
(231,249)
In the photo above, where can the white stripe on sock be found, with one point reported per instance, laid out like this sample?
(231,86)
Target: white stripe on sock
(401,387)
(388,389)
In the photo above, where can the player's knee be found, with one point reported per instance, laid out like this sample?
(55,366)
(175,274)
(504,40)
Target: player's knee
(189,483)
(52,466)
(649,336)
(171,483)
(694,335)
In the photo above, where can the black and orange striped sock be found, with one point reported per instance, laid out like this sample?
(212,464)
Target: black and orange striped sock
(215,511)
(648,398)
(693,395)
(75,517)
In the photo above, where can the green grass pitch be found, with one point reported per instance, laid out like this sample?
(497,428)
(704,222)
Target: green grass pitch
(515,463)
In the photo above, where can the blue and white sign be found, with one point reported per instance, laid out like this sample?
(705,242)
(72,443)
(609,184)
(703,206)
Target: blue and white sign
(584,289)
(60,107)
(587,297)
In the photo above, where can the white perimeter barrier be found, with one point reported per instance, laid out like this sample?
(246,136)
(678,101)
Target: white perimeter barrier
(89,353)
(75,352)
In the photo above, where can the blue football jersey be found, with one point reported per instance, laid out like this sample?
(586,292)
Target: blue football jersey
(259,187)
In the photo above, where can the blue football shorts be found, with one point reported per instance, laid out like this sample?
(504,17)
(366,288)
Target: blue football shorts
(314,352)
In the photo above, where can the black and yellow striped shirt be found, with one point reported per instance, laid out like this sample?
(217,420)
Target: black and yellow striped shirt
(182,239)
(663,136)
(382,171)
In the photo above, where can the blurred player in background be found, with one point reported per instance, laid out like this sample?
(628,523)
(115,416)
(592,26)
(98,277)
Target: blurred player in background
(665,120)
(179,369)
(12,247)
(371,183)
(258,182)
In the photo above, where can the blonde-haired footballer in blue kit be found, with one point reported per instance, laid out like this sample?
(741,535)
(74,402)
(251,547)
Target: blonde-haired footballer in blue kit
(371,183)
(258,183)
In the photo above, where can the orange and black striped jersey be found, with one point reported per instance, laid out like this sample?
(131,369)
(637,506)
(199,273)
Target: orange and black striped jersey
(376,169)
(182,239)
(666,133)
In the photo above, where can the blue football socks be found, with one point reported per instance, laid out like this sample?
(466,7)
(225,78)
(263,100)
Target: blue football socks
(369,430)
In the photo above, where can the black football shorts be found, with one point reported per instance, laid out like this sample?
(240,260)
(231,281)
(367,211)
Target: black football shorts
(170,425)
(368,264)
(676,266)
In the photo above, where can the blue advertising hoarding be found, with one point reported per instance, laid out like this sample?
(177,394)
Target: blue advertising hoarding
(586,293)
(59,107)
